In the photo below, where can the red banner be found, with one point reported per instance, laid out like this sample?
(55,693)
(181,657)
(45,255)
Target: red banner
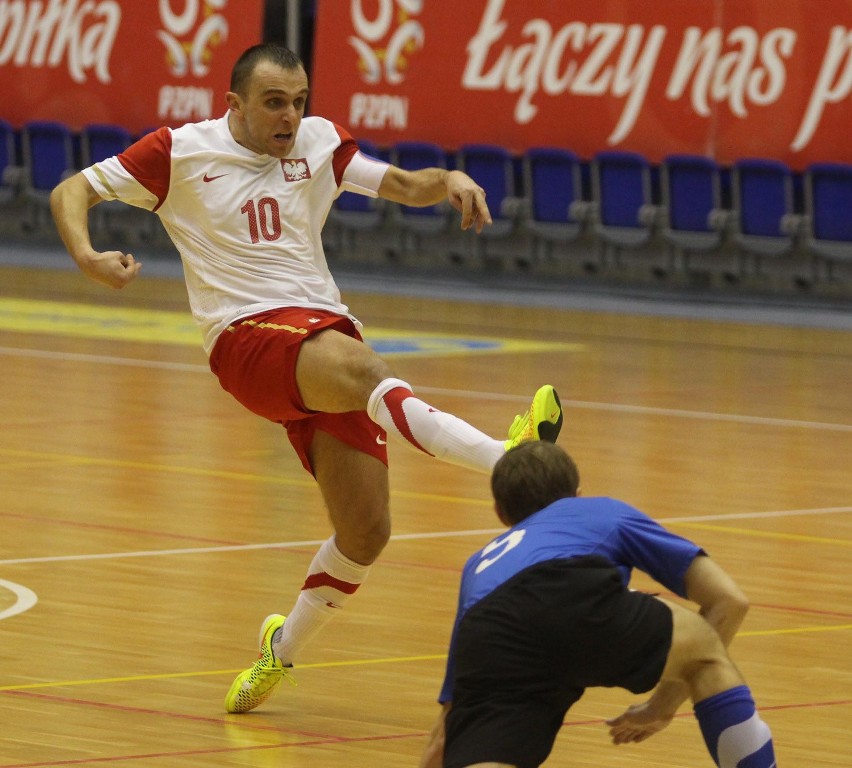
(137,63)
(723,78)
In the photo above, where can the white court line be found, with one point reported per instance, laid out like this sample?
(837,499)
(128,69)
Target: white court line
(580,404)
(711,416)
(678,412)
(394,537)
(756,515)
(45,354)
(25,599)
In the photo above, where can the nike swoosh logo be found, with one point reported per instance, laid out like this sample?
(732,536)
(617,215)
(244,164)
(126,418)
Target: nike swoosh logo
(206,179)
(380,441)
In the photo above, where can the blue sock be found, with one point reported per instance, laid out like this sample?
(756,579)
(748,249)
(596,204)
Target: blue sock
(735,735)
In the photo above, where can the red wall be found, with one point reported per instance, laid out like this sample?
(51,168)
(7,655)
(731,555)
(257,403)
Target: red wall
(138,63)
(724,78)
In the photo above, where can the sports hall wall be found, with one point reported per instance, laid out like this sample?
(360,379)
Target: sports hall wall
(722,78)
(719,80)
(135,64)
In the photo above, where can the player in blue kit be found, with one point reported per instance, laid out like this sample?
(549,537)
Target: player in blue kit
(545,612)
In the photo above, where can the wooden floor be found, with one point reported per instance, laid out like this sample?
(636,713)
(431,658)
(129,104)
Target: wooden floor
(148,524)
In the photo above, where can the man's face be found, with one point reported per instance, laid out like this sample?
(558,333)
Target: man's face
(266,119)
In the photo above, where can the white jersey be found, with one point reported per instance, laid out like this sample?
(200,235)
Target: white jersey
(247,226)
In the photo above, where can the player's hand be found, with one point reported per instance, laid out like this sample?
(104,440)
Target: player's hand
(637,723)
(112,268)
(466,196)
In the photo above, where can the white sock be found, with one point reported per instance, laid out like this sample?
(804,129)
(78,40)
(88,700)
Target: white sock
(407,418)
(332,578)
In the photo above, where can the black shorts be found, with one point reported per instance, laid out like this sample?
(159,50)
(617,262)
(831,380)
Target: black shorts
(526,652)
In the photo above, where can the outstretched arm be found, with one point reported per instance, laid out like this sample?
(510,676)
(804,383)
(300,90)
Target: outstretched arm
(430,186)
(723,605)
(69,203)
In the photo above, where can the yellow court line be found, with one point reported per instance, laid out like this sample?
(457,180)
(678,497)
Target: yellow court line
(43,456)
(157,326)
(208,673)
(217,473)
(353,663)
(59,318)
(360,662)
(764,534)
(170,468)
(794,630)
(35,463)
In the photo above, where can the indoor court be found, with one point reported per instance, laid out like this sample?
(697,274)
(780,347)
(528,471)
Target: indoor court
(669,188)
(149,523)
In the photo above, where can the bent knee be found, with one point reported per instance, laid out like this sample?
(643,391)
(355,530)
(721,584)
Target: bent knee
(364,544)
(695,644)
(698,657)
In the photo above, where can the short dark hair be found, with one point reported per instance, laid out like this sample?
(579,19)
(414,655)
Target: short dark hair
(530,477)
(250,58)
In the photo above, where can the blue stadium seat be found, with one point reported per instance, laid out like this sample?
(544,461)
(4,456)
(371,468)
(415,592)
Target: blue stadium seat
(828,211)
(11,173)
(492,167)
(691,190)
(48,158)
(762,201)
(99,141)
(414,222)
(48,149)
(554,188)
(623,212)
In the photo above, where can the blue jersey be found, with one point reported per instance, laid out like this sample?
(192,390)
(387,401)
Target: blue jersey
(575,527)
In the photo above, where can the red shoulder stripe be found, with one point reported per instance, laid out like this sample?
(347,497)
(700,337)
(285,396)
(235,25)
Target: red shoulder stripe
(343,154)
(149,161)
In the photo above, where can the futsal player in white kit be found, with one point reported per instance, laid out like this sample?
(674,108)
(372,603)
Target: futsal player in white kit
(244,199)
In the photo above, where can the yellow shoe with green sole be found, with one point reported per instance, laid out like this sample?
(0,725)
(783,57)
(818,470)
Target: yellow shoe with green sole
(542,421)
(259,682)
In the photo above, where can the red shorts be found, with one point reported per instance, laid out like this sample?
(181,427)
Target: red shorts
(255,360)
